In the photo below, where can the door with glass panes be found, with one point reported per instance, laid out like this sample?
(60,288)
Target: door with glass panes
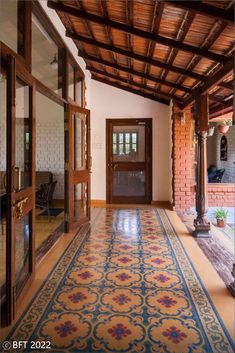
(18,187)
(129,161)
(77,166)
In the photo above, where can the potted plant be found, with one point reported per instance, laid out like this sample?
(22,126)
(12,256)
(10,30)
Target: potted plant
(211,129)
(223,126)
(221,217)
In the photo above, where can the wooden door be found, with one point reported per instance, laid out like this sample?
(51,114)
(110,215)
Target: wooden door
(129,161)
(77,166)
(20,185)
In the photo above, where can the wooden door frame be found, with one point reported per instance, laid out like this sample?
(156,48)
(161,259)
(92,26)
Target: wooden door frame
(75,177)
(127,122)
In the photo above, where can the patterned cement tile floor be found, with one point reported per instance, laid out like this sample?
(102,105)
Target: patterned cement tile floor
(125,285)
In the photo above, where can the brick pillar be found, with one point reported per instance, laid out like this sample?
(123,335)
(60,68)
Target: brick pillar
(182,159)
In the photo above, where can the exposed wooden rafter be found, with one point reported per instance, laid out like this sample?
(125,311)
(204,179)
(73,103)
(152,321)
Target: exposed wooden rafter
(132,90)
(135,56)
(216,30)
(133,83)
(216,79)
(184,28)
(134,72)
(108,29)
(156,21)
(227,85)
(138,32)
(205,9)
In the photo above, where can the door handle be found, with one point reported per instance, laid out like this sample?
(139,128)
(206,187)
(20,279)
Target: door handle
(18,208)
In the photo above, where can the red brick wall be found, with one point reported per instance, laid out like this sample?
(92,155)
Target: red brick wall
(221,195)
(182,158)
(183,168)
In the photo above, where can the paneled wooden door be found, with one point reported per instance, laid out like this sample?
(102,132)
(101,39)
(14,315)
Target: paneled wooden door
(20,186)
(77,166)
(129,161)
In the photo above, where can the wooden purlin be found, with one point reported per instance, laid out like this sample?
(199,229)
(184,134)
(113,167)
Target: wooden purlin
(137,32)
(205,9)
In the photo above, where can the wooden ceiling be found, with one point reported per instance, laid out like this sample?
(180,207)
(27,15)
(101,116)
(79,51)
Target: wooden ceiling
(161,50)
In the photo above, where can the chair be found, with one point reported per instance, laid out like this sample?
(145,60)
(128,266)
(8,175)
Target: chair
(44,196)
(216,175)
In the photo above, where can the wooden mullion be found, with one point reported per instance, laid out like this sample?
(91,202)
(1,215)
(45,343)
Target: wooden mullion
(10,244)
(28,34)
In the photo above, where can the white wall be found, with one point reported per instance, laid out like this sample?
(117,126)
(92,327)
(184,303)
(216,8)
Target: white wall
(108,102)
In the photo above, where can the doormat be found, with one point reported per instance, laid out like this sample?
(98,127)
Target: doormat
(53,212)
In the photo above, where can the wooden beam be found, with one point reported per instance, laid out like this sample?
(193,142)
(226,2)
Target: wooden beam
(228,85)
(134,72)
(135,31)
(205,9)
(215,31)
(135,56)
(132,90)
(132,83)
(223,107)
(216,79)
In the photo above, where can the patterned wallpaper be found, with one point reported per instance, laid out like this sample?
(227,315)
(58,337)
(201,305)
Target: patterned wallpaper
(50,141)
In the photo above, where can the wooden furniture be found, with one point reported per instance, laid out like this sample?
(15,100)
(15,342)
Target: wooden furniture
(43,177)
(44,196)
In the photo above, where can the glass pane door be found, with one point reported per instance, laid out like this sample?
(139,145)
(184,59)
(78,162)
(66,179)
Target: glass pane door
(78,160)
(17,187)
(129,167)
(3,179)
(22,183)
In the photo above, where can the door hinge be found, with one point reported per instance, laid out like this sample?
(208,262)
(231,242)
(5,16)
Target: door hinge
(66,166)
(66,217)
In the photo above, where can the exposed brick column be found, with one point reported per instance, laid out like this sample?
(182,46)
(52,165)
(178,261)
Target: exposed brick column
(182,159)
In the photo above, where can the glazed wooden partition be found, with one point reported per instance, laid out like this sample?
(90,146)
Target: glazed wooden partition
(20,186)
